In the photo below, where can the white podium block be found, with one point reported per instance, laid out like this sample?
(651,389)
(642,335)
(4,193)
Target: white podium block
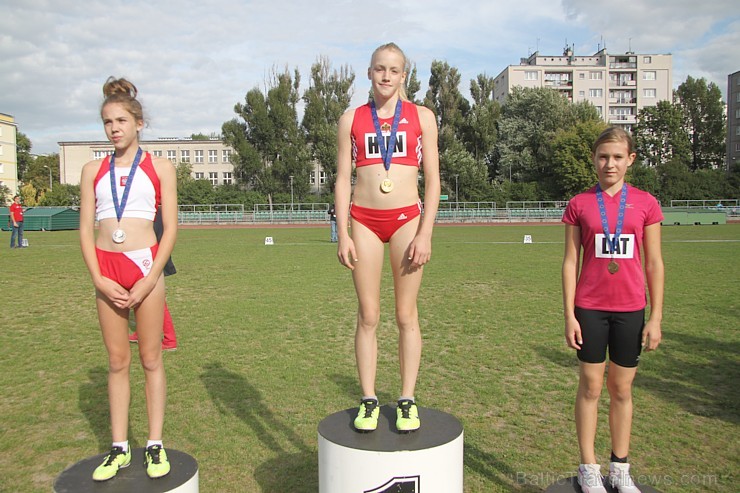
(387,461)
(183,477)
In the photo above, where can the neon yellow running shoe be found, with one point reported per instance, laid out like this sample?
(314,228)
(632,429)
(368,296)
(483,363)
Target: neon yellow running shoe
(407,416)
(155,461)
(367,416)
(115,460)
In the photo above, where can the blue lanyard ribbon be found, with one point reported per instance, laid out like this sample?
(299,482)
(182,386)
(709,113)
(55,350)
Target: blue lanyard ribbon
(386,154)
(612,240)
(127,188)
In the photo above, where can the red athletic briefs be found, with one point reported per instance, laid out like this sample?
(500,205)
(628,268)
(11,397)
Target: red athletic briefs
(384,222)
(126,267)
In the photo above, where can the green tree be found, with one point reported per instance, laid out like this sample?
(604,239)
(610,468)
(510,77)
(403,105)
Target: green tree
(676,181)
(660,134)
(63,195)
(572,160)
(327,98)
(413,85)
(5,196)
(444,98)
(529,120)
(23,154)
(269,147)
(480,132)
(463,175)
(704,122)
(40,169)
(644,177)
(195,192)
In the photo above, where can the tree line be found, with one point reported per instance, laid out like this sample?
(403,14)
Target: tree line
(534,147)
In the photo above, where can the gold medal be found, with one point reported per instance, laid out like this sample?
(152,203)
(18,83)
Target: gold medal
(386,185)
(613,267)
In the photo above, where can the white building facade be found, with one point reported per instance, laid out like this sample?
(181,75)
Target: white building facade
(617,85)
(209,159)
(8,154)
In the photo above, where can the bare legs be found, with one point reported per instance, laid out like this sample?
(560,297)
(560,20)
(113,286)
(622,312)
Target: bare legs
(367,277)
(114,327)
(619,384)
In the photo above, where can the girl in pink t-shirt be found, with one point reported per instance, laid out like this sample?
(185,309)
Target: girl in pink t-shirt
(604,300)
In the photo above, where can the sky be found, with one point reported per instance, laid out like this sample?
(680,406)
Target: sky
(193,61)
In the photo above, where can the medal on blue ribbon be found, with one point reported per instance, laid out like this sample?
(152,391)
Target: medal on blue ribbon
(386,186)
(119,235)
(613,266)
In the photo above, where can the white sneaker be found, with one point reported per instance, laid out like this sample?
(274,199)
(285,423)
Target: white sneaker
(620,479)
(590,479)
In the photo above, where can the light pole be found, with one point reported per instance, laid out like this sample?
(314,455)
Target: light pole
(51,184)
(291,192)
(457,197)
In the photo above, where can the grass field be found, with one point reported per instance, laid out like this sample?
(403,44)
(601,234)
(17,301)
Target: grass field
(266,352)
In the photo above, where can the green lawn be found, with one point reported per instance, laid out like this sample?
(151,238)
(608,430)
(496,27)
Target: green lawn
(266,352)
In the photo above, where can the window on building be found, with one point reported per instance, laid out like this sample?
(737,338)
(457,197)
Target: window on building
(312,177)
(226,156)
(213,178)
(582,76)
(101,154)
(596,93)
(600,110)
(737,113)
(649,93)
(530,75)
(322,177)
(595,75)
(185,156)
(212,156)
(1,151)
(157,153)
(647,59)
(648,75)
(228,177)
(737,147)
(199,175)
(198,156)
(172,156)
(581,94)
(737,131)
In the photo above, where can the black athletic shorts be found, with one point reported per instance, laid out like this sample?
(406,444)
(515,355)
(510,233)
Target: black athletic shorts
(621,332)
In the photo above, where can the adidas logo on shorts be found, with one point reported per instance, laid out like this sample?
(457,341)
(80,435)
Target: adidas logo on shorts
(402,217)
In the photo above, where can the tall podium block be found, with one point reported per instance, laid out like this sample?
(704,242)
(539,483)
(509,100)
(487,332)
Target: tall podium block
(183,477)
(429,460)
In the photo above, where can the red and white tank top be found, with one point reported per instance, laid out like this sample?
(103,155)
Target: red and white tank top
(144,196)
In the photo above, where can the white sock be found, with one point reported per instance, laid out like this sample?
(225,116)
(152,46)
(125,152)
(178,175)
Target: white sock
(366,397)
(403,398)
(149,443)
(123,445)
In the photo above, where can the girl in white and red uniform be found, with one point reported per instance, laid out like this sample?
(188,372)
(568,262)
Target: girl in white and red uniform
(604,306)
(125,262)
(388,139)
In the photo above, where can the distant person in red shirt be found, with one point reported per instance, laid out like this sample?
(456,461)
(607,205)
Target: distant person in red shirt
(604,300)
(16,218)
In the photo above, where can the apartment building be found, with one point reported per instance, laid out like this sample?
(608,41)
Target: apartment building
(617,85)
(8,154)
(733,119)
(209,159)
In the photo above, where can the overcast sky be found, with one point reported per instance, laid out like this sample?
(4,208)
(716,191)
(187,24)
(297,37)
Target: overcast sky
(192,61)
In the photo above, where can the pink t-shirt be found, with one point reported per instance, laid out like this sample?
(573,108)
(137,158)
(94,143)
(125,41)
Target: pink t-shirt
(597,289)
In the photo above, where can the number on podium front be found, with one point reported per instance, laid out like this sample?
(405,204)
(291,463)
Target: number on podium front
(408,484)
